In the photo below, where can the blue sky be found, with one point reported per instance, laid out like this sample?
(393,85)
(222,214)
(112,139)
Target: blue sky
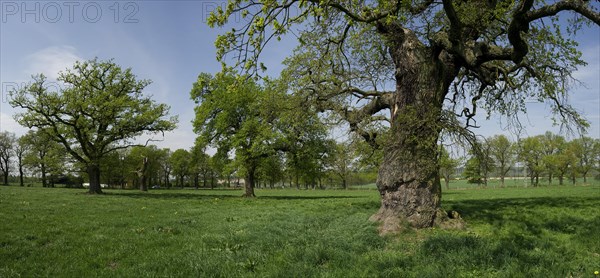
(169,43)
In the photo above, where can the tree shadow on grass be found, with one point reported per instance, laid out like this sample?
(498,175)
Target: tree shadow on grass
(565,215)
(452,192)
(211,196)
(497,209)
(174,196)
(307,197)
(528,237)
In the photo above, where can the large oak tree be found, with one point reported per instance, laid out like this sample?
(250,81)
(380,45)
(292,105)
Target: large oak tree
(99,109)
(427,63)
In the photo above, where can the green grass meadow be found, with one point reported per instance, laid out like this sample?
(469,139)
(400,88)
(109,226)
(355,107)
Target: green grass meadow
(551,231)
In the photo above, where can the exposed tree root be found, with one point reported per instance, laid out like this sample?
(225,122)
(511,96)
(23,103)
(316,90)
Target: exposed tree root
(392,223)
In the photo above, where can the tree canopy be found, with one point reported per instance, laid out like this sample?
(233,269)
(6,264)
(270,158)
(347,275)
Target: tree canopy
(255,122)
(496,54)
(100,108)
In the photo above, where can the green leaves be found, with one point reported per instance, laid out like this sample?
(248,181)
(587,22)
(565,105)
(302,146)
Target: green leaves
(228,115)
(181,162)
(100,109)
(255,122)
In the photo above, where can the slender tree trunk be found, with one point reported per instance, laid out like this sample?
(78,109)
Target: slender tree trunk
(409,180)
(560,179)
(212,181)
(447,181)
(21,183)
(3,177)
(93,170)
(484,180)
(5,172)
(531,179)
(249,182)
(167,181)
(44,178)
(143,175)
(143,182)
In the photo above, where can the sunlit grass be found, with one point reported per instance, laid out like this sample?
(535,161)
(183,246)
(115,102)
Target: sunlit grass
(515,232)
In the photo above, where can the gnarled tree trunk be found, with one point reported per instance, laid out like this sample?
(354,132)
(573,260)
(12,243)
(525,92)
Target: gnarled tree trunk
(409,180)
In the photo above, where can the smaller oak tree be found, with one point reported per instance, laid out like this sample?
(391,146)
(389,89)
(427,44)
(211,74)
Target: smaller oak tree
(100,109)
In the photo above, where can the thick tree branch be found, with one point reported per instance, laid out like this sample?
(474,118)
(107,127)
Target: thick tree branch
(519,24)
(455,34)
(356,117)
(580,6)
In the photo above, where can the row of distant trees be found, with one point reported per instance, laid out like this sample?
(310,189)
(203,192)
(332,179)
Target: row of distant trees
(34,154)
(548,155)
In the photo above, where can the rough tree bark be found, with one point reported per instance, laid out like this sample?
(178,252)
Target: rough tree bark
(409,180)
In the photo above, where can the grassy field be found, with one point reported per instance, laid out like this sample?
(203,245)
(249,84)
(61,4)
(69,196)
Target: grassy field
(515,232)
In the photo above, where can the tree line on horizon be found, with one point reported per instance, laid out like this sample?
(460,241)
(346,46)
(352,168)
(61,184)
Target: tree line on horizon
(549,155)
(35,158)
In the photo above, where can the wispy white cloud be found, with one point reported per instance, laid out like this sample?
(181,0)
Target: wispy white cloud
(7,123)
(51,60)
